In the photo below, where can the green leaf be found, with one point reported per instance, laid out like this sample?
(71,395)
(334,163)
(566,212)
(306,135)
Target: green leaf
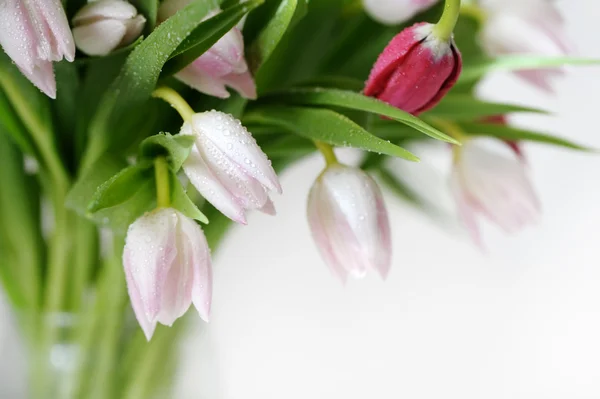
(11,124)
(506,132)
(82,192)
(327,126)
(465,107)
(181,201)
(356,101)
(270,36)
(118,218)
(335,82)
(205,35)
(175,148)
(120,187)
(480,68)
(139,75)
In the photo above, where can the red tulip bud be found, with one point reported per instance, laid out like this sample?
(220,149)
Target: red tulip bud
(415,70)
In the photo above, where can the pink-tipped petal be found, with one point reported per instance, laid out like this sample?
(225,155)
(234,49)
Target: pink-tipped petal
(320,237)
(199,258)
(167,266)
(268,208)
(243,83)
(42,77)
(496,186)
(34,33)
(349,222)
(147,326)
(211,188)
(203,82)
(234,140)
(54,33)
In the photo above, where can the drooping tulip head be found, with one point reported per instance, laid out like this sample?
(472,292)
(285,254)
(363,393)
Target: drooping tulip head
(533,27)
(222,66)
(392,12)
(228,167)
(34,33)
(494,185)
(105,25)
(349,222)
(415,70)
(167,267)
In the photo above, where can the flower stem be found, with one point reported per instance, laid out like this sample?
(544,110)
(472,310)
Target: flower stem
(172,97)
(327,152)
(453,130)
(475,12)
(445,26)
(161,173)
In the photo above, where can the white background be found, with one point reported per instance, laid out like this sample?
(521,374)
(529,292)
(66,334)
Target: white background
(521,320)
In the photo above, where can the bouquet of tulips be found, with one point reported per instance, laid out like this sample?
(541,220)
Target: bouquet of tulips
(134,134)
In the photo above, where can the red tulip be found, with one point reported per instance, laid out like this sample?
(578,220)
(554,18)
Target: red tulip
(415,70)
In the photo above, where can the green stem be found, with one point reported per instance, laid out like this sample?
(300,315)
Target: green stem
(85,255)
(445,26)
(475,12)
(327,152)
(161,172)
(172,97)
(453,130)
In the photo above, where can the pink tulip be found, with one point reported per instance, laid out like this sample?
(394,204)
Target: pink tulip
(533,27)
(34,33)
(167,267)
(349,222)
(494,185)
(415,70)
(105,25)
(392,12)
(227,166)
(223,65)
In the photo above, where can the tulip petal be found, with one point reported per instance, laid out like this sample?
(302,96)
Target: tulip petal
(87,37)
(105,10)
(199,258)
(243,83)
(211,188)
(392,12)
(204,83)
(320,237)
(349,222)
(42,76)
(54,33)
(496,186)
(147,326)
(176,294)
(233,139)
(151,250)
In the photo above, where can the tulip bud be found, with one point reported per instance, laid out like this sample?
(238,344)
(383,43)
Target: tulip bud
(223,65)
(495,185)
(526,27)
(167,267)
(227,166)
(105,25)
(34,33)
(415,70)
(349,222)
(392,12)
